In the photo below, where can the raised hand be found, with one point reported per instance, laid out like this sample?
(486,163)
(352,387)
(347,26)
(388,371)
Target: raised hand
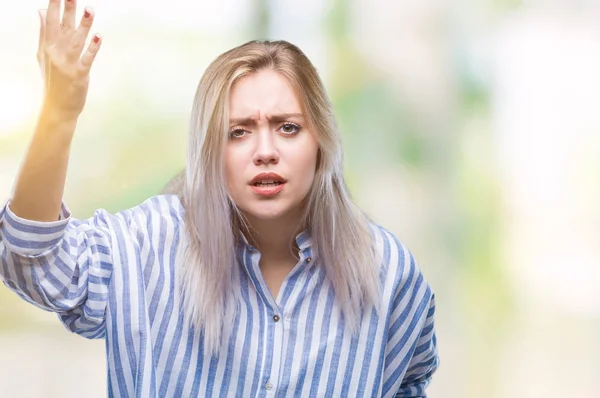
(65,70)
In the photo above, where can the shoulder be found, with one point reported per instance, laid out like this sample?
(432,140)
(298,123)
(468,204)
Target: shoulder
(156,210)
(392,251)
(168,206)
(398,264)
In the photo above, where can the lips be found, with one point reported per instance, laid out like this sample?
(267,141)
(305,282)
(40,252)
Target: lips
(267,179)
(267,184)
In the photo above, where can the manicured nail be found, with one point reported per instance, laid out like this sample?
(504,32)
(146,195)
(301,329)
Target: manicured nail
(96,39)
(86,13)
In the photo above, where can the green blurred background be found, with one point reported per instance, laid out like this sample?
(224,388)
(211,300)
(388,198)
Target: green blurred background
(470,129)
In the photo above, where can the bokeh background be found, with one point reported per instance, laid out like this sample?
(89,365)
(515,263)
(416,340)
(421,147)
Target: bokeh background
(471,130)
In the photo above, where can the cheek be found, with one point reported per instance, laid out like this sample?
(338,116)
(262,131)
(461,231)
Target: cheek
(308,165)
(232,170)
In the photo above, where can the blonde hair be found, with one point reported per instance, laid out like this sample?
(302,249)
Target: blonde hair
(340,232)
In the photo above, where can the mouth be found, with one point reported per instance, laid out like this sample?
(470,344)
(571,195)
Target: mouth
(267,180)
(267,184)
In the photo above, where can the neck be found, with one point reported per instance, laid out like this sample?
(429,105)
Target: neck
(272,237)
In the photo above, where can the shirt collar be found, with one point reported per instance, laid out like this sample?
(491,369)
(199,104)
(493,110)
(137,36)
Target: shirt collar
(303,240)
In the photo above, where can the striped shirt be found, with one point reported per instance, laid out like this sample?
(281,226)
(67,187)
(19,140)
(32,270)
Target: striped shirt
(112,277)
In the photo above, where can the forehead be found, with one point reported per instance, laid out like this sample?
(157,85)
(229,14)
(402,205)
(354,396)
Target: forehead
(264,92)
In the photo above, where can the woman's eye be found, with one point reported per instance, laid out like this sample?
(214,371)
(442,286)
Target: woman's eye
(237,133)
(289,128)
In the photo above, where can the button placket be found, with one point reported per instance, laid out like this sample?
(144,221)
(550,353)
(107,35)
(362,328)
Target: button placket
(272,379)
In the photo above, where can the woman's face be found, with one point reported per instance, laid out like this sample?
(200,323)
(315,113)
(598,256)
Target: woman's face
(271,155)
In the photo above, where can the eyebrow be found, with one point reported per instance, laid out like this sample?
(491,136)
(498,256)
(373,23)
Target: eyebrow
(273,119)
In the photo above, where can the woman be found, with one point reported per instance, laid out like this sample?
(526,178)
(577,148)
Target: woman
(261,279)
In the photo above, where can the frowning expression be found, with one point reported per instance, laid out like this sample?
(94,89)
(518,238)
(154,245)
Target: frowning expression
(271,154)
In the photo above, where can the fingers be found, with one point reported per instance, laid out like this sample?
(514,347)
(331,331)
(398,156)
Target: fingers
(79,37)
(88,58)
(68,20)
(52,21)
(67,26)
(50,31)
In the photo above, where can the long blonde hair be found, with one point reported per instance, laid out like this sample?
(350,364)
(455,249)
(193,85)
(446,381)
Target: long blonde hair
(340,232)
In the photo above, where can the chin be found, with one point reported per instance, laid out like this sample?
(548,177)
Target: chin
(268,211)
(266,214)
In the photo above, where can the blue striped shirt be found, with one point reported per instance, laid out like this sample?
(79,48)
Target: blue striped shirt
(112,277)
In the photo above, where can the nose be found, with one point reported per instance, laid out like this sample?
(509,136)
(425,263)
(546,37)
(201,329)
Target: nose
(266,150)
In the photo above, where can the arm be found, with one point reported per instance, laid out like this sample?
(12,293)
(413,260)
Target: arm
(63,266)
(39,187)
(411,351)
(59,264)
(424,360)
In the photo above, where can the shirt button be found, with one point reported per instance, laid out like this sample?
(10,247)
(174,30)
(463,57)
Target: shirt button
(276,318)
(308,260)
(268,386)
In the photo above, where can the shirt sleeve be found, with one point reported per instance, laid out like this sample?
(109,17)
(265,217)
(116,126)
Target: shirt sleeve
(411,350)
(424,360)
(63,266)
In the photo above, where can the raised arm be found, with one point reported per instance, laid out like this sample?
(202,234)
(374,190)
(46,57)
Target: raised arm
(55,262)
(65,68)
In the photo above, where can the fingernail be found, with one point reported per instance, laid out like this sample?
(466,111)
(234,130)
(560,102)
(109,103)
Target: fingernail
(96,39)
(86,13)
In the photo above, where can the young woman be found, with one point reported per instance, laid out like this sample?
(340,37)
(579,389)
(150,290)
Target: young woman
(261,278)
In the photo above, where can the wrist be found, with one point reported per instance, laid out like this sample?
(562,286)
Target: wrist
(54,130)
(53,119)
(54,115)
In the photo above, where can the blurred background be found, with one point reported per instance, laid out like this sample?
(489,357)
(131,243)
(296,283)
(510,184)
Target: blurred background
(471,130)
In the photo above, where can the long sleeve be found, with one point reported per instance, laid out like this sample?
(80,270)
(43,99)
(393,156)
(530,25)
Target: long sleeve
(63,266)
(411,351)
(424,360)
